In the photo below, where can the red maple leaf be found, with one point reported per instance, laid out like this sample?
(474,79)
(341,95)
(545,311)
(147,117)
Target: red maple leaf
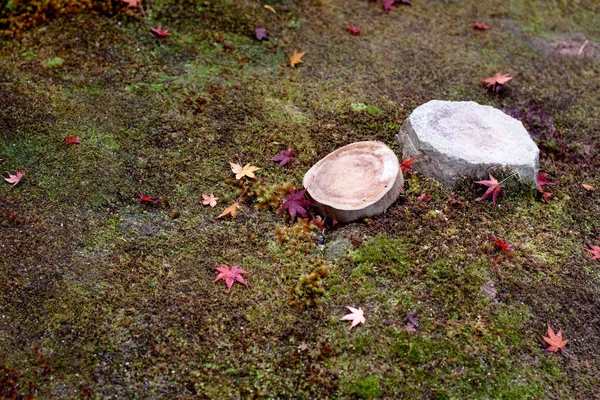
(388,5)
(230,275)
(406,164)
(260,31)
(72,140)
(146,199)
(284,157)
(14,179)
(355,30)
(595,250)
(542,179)
(481,26)
(159,32)
(493,189)
(497,81)
(295,204)
(503,245)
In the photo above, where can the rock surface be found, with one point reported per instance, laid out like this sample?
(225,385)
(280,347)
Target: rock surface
(355,181)
(453,139)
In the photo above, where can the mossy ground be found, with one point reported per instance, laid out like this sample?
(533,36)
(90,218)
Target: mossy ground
(103,296)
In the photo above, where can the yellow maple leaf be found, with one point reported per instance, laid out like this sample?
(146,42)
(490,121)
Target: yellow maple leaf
(296,58)
(232,209)
(247,170)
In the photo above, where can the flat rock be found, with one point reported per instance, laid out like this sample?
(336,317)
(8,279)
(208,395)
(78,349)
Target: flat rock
(463,138)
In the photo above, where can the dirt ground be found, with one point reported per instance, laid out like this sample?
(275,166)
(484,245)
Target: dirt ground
(103,295)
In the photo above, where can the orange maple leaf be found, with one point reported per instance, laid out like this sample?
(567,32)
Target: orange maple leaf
(497,81)
(296,58)
(555,341)
(131,3)
(232,209)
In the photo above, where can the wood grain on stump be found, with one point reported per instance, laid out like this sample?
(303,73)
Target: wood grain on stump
(356,181)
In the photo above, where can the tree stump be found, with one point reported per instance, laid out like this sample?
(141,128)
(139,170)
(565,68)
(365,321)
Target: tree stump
(355,181)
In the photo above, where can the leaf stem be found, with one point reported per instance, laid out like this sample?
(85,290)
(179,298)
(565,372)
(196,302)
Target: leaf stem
(507,178)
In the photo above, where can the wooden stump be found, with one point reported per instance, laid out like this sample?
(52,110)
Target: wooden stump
(355,181)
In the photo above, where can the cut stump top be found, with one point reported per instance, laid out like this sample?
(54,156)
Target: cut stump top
(357,180)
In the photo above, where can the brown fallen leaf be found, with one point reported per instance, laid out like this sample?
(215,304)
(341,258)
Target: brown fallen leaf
(588,187)
(268,7)
(232,209)
(209,200)
(247,170)
(131,3)
(296,58)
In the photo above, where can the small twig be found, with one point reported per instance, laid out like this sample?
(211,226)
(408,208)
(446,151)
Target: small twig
(582,47)
(142,10)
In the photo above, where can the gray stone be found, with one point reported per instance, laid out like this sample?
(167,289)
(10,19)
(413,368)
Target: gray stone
(463,138)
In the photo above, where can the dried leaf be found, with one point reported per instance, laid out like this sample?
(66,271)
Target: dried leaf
(247,170)
(481,26)
(261,32)
(232,209)
(356,316)
(424,198)
(72,140)
(355,30)
(209,200)
(131,3)
(230,275)
(146,199)
(318,221)
(542,179)
(588,187)
(296,58)
(406,164)
(268,7)
(388,5)
(595,250)
(159,31)
(555,341)
(284,157)
(411,318)
(497,81)
(503,245)
(493,189)
(14,179)
(295,204)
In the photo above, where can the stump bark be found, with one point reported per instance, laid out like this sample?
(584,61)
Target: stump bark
(355,181)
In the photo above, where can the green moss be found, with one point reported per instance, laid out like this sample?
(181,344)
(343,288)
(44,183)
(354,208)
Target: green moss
(117,296)
(54,62)
(367,388)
